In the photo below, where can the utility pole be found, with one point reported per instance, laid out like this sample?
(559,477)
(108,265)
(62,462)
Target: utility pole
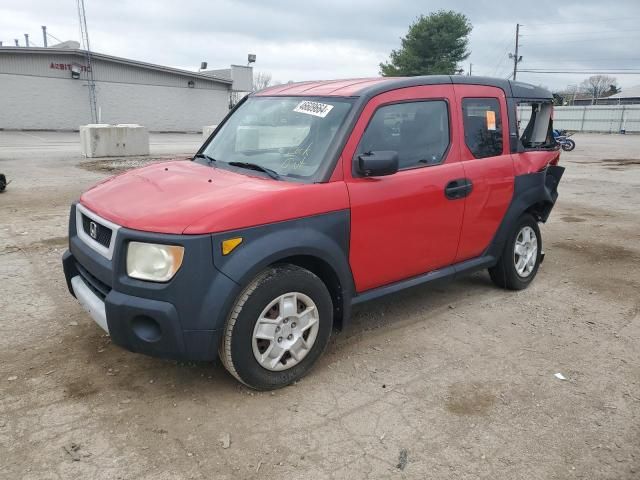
(517,58)
(470,69)
(44,36)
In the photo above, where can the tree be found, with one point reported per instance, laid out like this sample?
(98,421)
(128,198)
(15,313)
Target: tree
(261,81)
(599,85)
(435,44)
(558,99)
(613,89)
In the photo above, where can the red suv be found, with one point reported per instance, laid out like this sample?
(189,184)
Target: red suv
(307,199)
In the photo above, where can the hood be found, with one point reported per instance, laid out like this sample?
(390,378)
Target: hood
(186,197)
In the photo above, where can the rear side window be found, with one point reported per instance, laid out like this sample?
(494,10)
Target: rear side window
(535,125)
(417,131)
(482,126)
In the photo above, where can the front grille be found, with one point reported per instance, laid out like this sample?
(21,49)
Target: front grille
(97,231)
(98,287)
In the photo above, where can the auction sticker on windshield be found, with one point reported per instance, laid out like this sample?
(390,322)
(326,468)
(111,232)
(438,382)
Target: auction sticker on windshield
(316,109)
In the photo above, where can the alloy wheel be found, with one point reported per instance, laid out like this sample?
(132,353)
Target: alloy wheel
(285,331)
(525,253)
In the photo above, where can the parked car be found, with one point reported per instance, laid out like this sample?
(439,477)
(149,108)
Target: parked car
(306,200)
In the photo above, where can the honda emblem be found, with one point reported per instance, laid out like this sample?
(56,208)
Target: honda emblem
(93,230)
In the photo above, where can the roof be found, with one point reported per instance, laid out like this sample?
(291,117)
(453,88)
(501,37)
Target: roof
(338,88)
(110,58)
(365,87)
(224,73)
(633,92)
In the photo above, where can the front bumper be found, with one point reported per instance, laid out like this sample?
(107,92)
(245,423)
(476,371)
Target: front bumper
(181,319)
(90,301)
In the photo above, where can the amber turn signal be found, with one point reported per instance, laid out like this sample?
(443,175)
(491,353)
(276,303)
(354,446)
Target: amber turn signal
(230,244)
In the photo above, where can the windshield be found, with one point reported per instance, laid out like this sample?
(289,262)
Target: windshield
(286,135)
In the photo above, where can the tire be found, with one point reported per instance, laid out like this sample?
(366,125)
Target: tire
(256,332)
(512,271)
(568,145)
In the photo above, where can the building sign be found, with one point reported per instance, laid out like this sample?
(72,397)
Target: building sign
(69,66)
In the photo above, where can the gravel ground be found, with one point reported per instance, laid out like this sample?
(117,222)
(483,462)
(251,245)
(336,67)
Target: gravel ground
(455,381)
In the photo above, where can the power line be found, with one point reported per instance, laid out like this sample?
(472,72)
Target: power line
(579,69)
(586,68)
(583,40)
(579,34)
(502,58)
(505,49)
(586,72)
(500,63)
(55,38)
(589,22)
(578,59)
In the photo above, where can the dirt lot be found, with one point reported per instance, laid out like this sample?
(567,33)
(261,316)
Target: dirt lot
(449,382)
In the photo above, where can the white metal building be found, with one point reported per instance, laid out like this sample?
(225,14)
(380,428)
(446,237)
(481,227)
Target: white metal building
(40,90)
(628,96)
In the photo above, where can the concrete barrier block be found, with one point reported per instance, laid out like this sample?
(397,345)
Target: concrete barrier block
(124,140)
(207,130)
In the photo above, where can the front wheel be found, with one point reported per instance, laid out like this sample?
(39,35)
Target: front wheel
(278,328)
(568,145)
(520,259)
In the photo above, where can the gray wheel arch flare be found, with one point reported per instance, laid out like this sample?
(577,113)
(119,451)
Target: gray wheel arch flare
(533,192)
(319,243)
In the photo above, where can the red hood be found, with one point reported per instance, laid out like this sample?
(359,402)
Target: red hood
(186,197)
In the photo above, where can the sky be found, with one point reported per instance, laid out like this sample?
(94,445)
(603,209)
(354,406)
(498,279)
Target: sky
(309,40)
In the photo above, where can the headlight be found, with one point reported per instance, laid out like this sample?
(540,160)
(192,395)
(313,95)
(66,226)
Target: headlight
(153,262)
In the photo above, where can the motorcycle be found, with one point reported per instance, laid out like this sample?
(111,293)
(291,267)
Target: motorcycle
(562,138)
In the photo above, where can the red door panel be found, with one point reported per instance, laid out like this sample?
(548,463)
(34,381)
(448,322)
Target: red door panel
(492,179)
(402,225)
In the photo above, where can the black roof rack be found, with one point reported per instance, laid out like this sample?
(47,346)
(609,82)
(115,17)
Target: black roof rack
(510,88)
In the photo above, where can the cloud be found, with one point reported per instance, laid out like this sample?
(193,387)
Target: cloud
(336,38)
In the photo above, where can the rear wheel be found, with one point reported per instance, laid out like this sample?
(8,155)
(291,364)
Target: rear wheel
(520,259)
(568,145)
(278,328)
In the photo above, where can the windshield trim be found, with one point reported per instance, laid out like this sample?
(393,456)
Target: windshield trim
(327,167)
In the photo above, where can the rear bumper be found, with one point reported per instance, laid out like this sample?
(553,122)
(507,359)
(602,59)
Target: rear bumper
(180,319)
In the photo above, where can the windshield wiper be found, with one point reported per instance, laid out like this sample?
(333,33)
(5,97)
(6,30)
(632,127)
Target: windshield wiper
(254,166)
(206,157)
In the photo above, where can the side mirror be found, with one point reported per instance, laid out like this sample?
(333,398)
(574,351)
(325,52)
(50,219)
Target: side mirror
(377,164)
